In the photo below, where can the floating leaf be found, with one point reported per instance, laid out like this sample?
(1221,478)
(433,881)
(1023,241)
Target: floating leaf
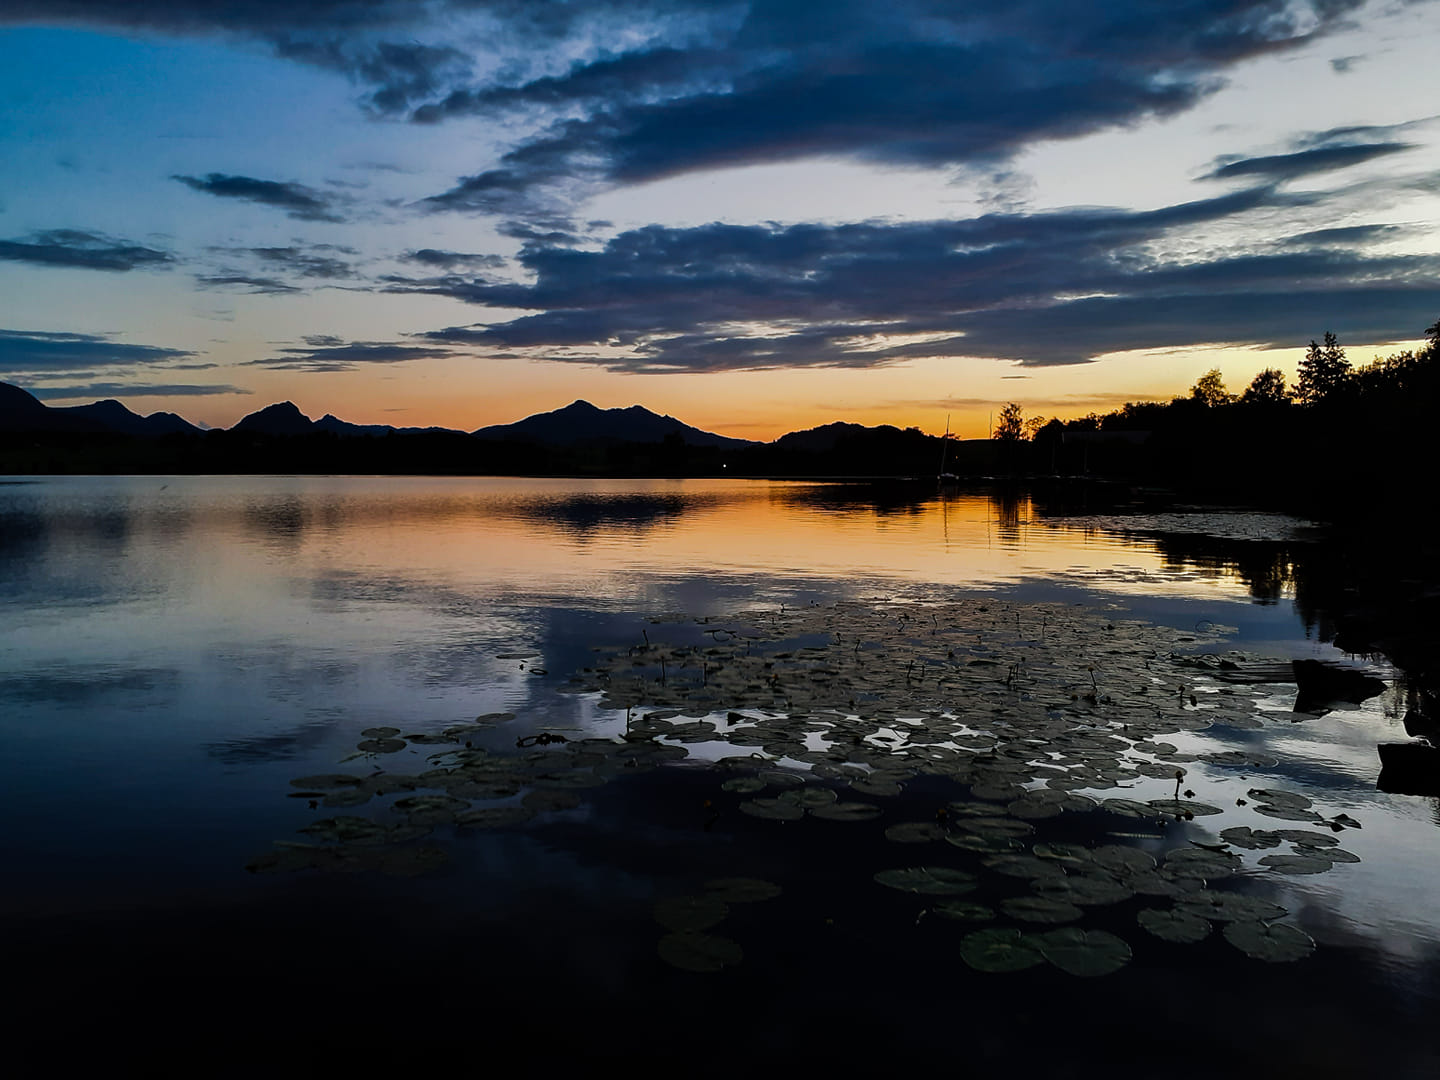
(683,914)
(1087,953)
(699,952)
(1040,909)
(1000,950)
(929,880)
(1180,926)
(1251,839)
(380,732)
(380,746)
(1181,807)
(1273,942)
(1307,836)
(963,911)
(847,811)
(914,832)
(1276,797)
(494,817)
(808,797)
(1024,866)
(1287,813)
(1088,889)
(1128,808)
(746,785)
(1122,860)
(772,809)
(1296,864)
(1228,907)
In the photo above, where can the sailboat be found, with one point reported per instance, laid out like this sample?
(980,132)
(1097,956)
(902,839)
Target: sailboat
(946,479)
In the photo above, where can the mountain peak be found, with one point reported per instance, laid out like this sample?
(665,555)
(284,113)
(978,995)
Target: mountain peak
(282,418)
(582,422)
(14,399)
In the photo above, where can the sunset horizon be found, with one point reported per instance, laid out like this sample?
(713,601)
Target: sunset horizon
(748,216)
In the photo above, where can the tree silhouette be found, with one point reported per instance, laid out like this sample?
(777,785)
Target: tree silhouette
(1267,388)
(1011,427)
(1323,370)
(1210,389)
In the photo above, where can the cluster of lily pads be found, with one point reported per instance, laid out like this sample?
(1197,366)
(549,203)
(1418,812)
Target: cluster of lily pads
(828,713)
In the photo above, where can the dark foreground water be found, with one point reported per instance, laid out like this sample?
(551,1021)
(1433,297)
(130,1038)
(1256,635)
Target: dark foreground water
(175,653)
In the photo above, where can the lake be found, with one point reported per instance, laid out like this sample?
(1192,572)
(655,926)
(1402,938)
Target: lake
(633,856)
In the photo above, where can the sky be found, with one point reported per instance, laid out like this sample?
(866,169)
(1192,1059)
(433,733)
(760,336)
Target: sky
(755,216)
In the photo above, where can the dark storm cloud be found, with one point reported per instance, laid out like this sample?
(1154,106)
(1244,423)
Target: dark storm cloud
(97,390)
(38,351)
(1058,287)
(1303,162)
(82,250)
(324,353)
(296,200)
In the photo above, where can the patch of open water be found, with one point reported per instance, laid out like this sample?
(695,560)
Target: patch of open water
(177,652)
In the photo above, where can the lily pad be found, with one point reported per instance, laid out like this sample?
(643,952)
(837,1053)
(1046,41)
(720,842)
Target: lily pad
(494,817)
(1086,953)
(1251,839)
(929,880)
(1296,864)
(1040,909)
(745,785)
(807,797)
(846,811)
(1092,890)
(380,746)
(699,952)
(1000,949)
(1182,927)
(963,910)
(1272,942)
(1228,907)
(684,914)
(1121,860)
(380,732)
(773,809)
(1181,807)
(914,832)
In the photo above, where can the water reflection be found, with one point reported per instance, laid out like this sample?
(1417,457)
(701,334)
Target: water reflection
(224,636)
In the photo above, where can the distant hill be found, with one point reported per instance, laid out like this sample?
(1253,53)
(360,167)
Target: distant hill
(114,416)
(282,418)
(23,411)
(581,422)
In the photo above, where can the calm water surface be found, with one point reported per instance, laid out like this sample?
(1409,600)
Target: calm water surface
(173,651)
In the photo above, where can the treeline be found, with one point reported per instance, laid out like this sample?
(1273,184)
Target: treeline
(1341,433)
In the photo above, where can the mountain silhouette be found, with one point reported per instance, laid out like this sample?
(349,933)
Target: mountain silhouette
(282,418)
(581,422)
(113,416)
(23,411)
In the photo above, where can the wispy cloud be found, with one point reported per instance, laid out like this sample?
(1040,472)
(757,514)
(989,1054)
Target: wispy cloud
(39,351)
(96,390)
(79,249)
(298,201)
(325,353)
